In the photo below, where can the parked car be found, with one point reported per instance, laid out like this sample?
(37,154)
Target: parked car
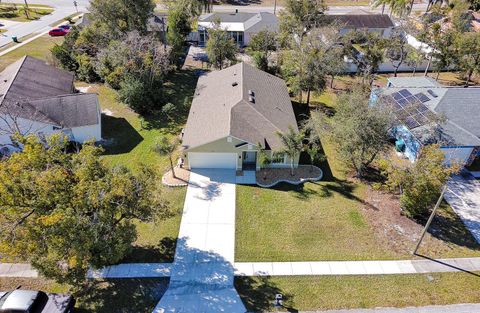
(66,27)
(32,301)
(58,32)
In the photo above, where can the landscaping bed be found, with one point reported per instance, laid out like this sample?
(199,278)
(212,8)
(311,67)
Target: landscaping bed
(181,178)
(272,176)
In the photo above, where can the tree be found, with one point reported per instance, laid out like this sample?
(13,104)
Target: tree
(359,130)
(66,213)
(467,54)
(414,58)
(307,64)
(181,15)
(397,7)
(366,50)
(419,184)
(264,160)
(168,147)
(220,46)
(122,16)
(397,49)
(299,17)
(261,45)
(292,142)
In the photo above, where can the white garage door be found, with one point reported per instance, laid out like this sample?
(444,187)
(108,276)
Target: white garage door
(212,160)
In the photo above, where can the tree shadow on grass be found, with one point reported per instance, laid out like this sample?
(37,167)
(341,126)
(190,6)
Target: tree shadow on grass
(178,90)
(448,227)
(122,296)
(258,294)
(164,252)
(121,137)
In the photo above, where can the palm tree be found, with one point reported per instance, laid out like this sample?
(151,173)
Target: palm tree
(263,160)
(167,147)
(397,7)
(292,145)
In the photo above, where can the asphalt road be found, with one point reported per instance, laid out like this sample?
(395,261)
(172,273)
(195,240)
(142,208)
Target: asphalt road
(62,8)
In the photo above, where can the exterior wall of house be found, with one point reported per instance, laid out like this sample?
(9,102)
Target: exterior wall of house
(26,127)
(224,146)
(85,133)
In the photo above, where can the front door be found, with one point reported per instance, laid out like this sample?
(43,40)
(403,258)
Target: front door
(249,161)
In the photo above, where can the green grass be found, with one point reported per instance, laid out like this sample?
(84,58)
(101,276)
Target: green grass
(8,12)
(324,220)
(131,141)
(348,292)
(38,48)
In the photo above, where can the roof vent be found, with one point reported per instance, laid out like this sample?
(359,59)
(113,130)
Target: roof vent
(234,84)
(251,93)
(251,99)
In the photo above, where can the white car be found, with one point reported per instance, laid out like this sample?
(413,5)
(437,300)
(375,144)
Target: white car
(31,301)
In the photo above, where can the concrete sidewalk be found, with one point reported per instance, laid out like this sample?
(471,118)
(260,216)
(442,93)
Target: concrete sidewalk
(357,267)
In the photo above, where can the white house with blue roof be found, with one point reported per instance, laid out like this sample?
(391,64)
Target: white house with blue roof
(429,112)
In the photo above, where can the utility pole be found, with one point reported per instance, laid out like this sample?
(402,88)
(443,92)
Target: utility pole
(430,219)
(75,4)
(275,8)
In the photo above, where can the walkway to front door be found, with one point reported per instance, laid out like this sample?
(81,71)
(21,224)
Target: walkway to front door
(202,272)
(249,160)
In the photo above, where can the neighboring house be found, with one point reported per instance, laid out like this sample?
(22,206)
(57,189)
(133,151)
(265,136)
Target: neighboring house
(41,99)
(240,26)
(377,23)
(429,113)
(234,113)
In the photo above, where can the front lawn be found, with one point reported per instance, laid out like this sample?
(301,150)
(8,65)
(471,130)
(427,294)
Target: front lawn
(337,218)
(15,12)
(38,48)
(130,141)
(348,292)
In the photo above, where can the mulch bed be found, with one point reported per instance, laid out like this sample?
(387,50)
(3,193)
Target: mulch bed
(272,175)
(182,177)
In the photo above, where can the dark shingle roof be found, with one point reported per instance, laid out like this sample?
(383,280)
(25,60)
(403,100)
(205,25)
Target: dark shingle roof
(253,22)
(221,108)
(362,20)
(30,78)
(239,17)
(31,89)
(461,107)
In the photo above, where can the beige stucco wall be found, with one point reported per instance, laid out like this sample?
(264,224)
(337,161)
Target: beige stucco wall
(224,146)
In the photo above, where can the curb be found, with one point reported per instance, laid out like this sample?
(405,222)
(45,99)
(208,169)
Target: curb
(302,181)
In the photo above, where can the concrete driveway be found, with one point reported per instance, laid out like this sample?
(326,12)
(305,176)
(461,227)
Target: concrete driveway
(202,272)
(463,195)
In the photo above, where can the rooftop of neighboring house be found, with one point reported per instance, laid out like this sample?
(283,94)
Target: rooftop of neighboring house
(241,21)
(240,101)
(34,90)
(421,103)
(358,21)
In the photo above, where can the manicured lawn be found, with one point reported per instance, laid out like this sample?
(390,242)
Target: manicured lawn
(112,296)
(332,220)
(130,141)
(347,292)
(39,48)
(17,12)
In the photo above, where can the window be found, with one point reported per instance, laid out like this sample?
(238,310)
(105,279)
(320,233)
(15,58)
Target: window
(279,158)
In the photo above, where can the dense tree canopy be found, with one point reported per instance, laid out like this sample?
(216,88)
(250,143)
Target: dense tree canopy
(221,49)
(65,213)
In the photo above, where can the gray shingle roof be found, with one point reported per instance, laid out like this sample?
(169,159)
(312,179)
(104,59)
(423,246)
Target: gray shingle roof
(362,20)
(31,89)
(30,78)
(253,22)
(221,108)
(461,106)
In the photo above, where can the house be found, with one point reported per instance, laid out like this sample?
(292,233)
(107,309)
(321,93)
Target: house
(377,23)
(429,112)
(41,99)
(240,26)
(236,112)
